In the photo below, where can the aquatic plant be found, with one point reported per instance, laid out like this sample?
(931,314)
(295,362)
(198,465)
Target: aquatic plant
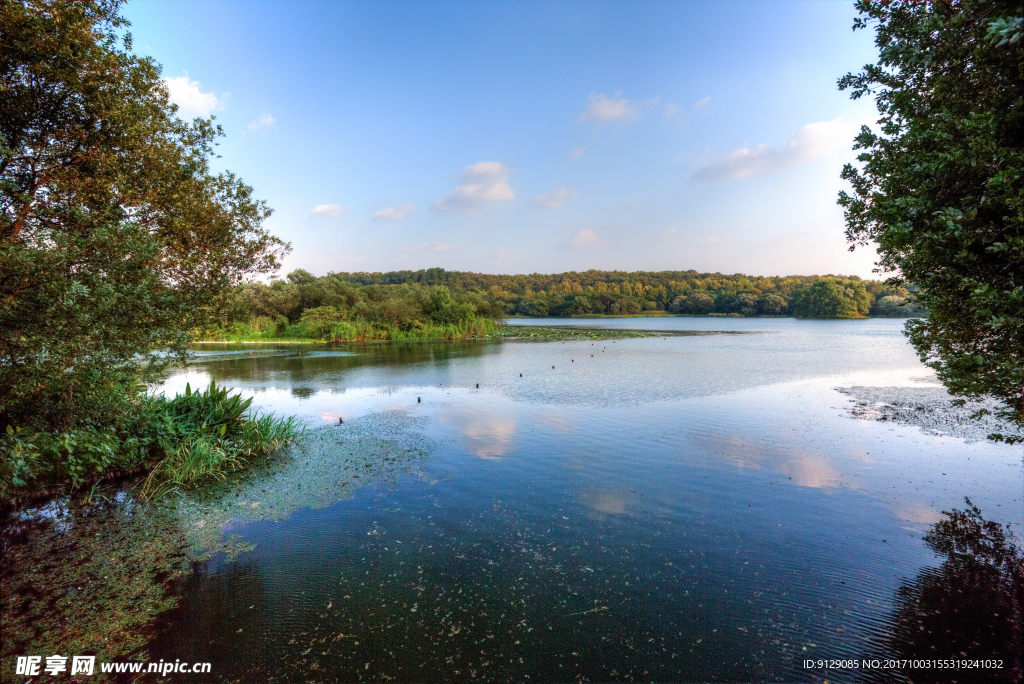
(216,436)
(180,441)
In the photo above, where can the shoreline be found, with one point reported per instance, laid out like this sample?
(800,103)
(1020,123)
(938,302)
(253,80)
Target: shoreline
(929,408)
(512,332)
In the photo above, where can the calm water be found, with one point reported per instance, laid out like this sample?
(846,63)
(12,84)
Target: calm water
(673,509)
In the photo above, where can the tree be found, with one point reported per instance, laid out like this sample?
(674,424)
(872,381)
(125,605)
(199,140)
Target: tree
(317,321)
(746,303)
(940,189)
(771,304)
(444,310)
(115,236)
(695,303)
(831,298)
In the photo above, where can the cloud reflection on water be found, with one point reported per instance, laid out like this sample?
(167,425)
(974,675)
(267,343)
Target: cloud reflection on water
(486,434)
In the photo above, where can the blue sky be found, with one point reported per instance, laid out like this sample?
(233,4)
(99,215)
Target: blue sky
(518,137)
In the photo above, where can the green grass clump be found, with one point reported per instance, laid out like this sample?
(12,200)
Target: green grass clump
(181,441)
(218,435)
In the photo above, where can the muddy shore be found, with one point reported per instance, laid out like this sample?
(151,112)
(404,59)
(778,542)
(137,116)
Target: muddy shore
(929,408)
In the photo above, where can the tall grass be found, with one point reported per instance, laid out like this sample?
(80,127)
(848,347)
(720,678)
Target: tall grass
(359,331)
(348,331)
(219,435)
(196,436)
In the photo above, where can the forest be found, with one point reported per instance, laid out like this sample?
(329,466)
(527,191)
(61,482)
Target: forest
(436,303)
(305,307)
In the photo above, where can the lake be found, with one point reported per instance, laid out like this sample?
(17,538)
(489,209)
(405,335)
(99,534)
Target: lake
(679,508)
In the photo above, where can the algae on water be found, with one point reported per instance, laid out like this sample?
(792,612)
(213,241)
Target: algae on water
(90,574)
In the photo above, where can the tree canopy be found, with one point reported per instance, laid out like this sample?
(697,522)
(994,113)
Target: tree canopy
(678,292)
(115,235)
(940,185)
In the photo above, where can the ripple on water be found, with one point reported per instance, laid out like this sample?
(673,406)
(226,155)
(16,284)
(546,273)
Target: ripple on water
(667,510)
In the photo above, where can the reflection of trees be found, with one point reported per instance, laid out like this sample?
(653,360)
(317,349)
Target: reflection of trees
(310,367)
(967,608)
(214,623)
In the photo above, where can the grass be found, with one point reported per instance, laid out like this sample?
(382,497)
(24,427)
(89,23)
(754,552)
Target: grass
(339,332)
(204,456)
(218,435)
(176,443)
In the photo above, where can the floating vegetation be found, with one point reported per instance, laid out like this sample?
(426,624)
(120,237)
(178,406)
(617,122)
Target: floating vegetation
(546,334)
(327,466)
(87,576)
(930,408)
(90,574)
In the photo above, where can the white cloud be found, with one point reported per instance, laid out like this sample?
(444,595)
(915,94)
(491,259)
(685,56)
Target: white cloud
(191,101)
(583,239)
(329,209)
(265,121)
(666,234)
(554,199)
(505,255)
(615,108)
(393,213)
(434,246)
(484,183)
(670,110)
(702,103)
(811,142)
(575,154)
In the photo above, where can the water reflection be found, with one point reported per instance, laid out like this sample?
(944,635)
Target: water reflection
(970,606)
(612,502)
(485,434)
(799,465)
(666,511)
(321,362)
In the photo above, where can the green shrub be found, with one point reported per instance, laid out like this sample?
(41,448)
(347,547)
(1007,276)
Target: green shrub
(182,441)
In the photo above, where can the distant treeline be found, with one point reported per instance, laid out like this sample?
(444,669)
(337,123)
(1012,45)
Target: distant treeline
(435,303)
(677,292)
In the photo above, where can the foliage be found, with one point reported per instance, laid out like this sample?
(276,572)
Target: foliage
(305,307)
(613,293)
(898,303)
(831,299)
(114,234)
(940,189)
(182,440)
(444,310)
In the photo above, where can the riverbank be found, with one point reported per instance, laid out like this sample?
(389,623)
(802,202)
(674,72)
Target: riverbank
(318,326)
(501,332)
(99,572)
(931,409)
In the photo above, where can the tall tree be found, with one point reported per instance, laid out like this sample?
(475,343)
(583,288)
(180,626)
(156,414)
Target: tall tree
(115,236)
(940,188)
